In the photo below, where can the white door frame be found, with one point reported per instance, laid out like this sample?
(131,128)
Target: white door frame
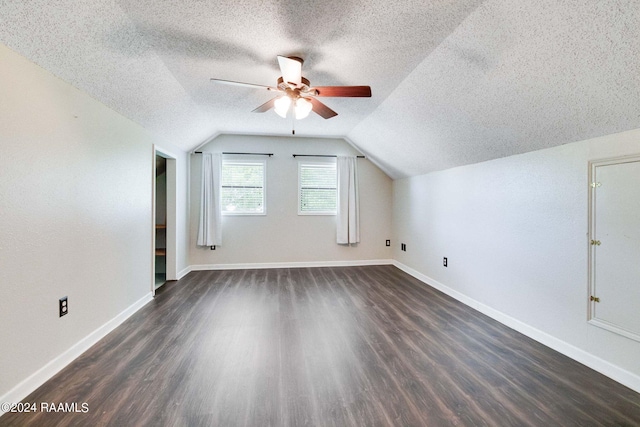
(172,184)
(593,243)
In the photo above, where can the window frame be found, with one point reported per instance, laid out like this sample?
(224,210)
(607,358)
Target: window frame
(262,162)
(331,165)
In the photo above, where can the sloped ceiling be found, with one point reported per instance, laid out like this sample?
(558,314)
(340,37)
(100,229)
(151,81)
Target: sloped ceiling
(454,82)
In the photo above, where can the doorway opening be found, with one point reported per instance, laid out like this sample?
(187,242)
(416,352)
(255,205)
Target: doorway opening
(161,223)
(164,267)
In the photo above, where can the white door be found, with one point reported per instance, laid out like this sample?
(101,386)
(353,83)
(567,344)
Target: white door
(615,246)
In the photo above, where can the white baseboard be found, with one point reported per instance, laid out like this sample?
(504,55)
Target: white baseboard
(183,273)
(304,264)
(612,371)
(42,375)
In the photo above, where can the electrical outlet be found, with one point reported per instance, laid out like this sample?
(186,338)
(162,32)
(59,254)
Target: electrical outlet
(387,243)
(403,247)
(63,306)
(444,261)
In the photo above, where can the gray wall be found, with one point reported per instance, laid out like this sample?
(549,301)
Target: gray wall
(282,236)
(515,234)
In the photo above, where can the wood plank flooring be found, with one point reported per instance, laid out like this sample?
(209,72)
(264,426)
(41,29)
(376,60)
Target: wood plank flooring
(348,346)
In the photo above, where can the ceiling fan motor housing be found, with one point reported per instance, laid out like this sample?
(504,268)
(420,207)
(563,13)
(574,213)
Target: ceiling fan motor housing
(304,85)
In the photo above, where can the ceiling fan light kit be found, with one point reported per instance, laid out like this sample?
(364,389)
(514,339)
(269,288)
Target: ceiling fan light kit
(282,105)
(303,108)
(297,94)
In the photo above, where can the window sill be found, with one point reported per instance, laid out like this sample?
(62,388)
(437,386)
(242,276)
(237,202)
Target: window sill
(317,213)
(243,214)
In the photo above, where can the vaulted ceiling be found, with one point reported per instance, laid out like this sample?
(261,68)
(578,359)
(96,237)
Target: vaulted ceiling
(454,81)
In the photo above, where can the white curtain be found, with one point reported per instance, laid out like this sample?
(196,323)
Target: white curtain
(210,225)
(348,218)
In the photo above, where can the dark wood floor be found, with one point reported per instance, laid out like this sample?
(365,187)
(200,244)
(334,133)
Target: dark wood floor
(351,346)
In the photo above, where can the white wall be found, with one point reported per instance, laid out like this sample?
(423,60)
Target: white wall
(282,236)
(515,234)
(75,216)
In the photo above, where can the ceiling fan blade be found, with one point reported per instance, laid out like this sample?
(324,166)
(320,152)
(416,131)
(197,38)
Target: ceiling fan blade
(343,91)
(291,69)
(321,109)
(266,106)
(251,85)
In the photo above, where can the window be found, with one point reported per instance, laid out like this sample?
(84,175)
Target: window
(243,188)
(317,189)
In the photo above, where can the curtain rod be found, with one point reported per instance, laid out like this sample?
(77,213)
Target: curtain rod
(321,155)
(244,154)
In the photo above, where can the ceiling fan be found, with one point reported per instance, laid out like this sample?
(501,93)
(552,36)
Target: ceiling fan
(296,93)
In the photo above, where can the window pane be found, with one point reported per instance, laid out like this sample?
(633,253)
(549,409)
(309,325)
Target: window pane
(317,188)
(242,187)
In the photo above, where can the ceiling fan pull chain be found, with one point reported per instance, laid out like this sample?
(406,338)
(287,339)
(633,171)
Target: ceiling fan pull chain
(293,124)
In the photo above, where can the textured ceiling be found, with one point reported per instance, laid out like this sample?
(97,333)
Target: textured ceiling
(454,82)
